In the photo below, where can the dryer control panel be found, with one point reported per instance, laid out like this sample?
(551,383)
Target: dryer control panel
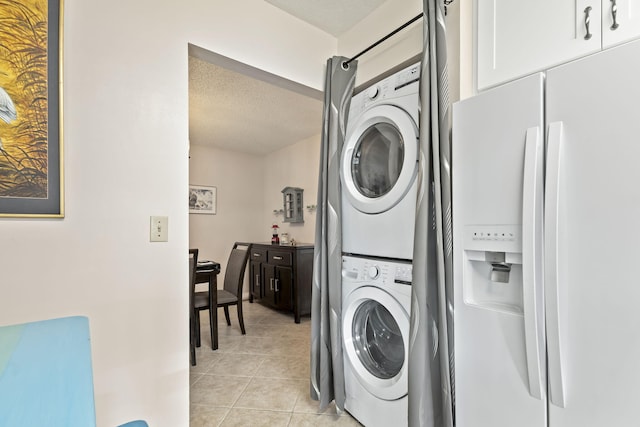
(394,86)
(408,76)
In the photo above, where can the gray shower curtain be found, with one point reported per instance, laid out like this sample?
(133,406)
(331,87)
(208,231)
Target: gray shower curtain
(430,352)
(327,370)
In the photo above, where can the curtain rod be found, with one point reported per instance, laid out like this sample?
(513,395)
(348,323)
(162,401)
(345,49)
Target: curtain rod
(345,64)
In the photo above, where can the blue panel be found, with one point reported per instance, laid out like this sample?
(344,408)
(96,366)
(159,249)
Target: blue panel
(138,423)
(45,374)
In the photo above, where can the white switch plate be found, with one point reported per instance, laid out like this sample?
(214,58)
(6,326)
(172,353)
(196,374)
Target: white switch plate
(159,230)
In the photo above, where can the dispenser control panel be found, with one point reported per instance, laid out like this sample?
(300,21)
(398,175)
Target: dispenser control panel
(500,238)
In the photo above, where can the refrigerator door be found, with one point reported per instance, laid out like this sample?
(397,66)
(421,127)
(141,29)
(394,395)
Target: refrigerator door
(592,239)
(497,223)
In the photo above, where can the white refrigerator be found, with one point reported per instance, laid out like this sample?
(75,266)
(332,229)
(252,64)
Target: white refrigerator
(546,224)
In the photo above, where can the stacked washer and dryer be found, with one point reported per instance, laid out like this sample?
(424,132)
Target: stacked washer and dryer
(379,168)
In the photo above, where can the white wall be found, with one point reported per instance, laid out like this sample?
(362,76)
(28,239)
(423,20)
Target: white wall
(125,139)
(238,179)
(386,18)
(293,166)
(249,190)
(258,34)
(467,34)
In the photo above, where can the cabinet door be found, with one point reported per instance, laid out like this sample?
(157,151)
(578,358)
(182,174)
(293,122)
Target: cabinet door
(284,288)
(516,38)
(620,21)
(255,279)
(269,277)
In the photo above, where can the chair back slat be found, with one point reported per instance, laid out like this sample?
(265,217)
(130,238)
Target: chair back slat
(191,275)
(193,265)
(236,265)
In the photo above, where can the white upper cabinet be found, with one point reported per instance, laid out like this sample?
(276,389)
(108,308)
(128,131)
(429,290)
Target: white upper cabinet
(620,21)
(519,37)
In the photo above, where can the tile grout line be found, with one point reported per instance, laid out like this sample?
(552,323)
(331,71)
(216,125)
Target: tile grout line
(245,387)
(225,416)
(294,339)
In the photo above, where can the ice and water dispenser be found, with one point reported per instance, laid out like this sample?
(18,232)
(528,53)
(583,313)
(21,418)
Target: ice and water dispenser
(493,267)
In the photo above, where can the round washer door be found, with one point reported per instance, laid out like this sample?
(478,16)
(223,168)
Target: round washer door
(375,329)
(380,159)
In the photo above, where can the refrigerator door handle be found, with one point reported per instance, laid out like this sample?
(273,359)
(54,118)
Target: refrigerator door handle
(532,212)
(555,324)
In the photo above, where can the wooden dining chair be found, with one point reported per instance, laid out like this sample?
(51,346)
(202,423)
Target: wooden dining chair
(231,294)
(193,265)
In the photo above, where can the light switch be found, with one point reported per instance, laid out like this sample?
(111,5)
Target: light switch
(159,231)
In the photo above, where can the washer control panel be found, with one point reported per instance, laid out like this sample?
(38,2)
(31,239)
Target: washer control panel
(404,274)
(376,270)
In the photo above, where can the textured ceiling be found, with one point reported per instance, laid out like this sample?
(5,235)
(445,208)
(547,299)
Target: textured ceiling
(333,16)
(236,107)
(234,111)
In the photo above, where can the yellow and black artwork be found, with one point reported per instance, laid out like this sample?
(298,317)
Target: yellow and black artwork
(30,108)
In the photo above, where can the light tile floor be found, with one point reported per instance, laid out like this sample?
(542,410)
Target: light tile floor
(257,379)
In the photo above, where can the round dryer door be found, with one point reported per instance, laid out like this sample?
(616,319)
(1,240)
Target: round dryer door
(376,340)
(380,159)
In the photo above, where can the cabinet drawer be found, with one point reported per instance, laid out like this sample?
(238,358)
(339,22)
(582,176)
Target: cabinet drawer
(279,258)
(258,255)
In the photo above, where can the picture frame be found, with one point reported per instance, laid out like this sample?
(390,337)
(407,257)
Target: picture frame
(31,143)
(202,199)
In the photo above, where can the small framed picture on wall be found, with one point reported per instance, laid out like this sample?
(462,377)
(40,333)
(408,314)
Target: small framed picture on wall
(202,199)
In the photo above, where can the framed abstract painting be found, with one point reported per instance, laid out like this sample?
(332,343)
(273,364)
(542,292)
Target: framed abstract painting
(202,199)
(31,160)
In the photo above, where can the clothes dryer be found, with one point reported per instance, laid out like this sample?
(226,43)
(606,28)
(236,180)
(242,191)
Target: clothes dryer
(376,306)
(379,166)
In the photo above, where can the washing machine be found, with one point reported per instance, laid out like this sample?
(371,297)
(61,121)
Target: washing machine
(379,167)
(376,305)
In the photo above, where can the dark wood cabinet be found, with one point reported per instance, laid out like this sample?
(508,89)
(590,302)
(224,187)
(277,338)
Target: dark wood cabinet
(281,277)
(257,257)
(278,286)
